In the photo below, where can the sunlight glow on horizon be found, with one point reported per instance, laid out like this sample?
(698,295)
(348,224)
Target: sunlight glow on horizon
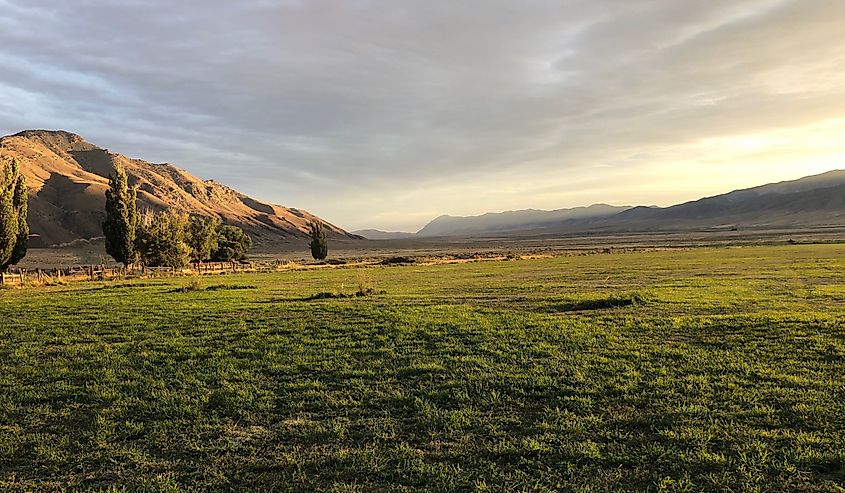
(708,167)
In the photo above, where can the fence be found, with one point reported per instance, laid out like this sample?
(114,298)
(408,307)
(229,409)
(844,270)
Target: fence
(23,277)
(101,272)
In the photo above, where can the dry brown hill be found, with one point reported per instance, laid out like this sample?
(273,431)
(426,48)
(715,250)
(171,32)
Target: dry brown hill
(68,176)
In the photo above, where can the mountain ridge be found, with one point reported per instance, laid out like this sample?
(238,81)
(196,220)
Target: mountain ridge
(446,225)
(816,200)
(377,234)
(68,176)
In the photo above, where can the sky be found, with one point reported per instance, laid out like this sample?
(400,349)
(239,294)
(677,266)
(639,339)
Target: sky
(387,113)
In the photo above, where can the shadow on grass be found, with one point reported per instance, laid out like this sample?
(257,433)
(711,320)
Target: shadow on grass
(218,287)
(327,295)
(601,303)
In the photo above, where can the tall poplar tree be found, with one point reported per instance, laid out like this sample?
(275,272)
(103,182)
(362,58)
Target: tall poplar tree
(319,244)
(20,202)
(9,223)
(121,224)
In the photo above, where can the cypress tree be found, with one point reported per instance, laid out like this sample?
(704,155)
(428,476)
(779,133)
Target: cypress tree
(9,223)
(319,244)
(20,202)
(121,224)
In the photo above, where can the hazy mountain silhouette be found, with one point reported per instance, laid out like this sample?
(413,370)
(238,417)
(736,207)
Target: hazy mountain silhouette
(376,234)
(817,200)
(514,220)
(811,201)
(68,176)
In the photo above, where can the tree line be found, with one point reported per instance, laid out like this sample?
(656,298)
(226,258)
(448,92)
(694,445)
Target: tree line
(165,238)
(174,239)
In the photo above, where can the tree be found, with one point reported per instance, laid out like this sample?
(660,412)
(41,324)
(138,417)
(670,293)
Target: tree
(121,224)
(21,205)
(319,245)
(201,236)
(161,239)
(232,244)
(14,228)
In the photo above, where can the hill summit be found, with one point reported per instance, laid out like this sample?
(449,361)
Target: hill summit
(68,177)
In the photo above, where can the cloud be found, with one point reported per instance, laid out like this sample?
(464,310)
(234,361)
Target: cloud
(368,112)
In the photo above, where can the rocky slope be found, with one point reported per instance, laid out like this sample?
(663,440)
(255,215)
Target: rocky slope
(68,176)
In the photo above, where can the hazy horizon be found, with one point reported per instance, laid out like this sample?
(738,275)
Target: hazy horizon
(385,115)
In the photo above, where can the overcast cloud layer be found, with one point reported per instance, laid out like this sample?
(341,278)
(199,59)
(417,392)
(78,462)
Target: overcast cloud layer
(388,113)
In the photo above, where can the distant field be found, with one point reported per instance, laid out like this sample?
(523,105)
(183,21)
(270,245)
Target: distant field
(93,252)
(697,370)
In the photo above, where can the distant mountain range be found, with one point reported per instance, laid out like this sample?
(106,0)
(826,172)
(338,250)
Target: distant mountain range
(375,234)
(812,201)
(514,220)
(68,176)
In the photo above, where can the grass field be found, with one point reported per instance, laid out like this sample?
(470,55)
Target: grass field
(697,370)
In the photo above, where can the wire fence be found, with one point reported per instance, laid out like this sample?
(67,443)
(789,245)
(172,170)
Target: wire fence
(59,275)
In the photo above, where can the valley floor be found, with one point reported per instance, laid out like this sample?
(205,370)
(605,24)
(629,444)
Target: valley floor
(708,369)
(554,243)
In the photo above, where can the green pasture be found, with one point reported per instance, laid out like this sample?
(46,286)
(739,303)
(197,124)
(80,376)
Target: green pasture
(694,370)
